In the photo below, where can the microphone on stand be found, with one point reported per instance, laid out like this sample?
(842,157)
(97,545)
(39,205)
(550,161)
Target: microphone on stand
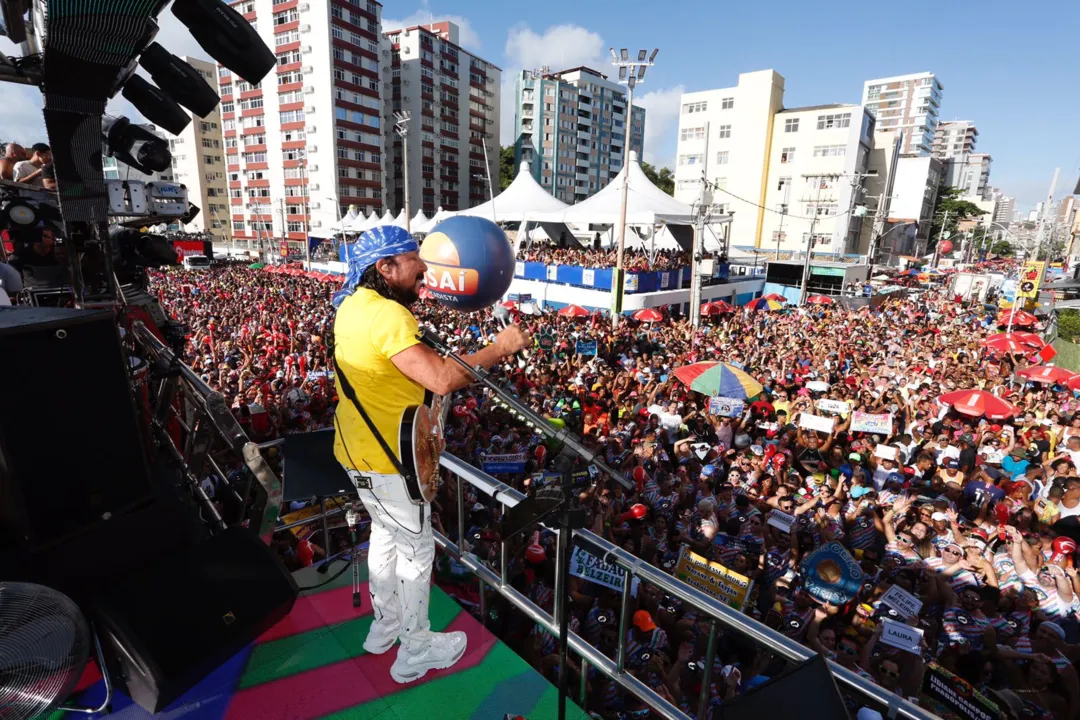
(350,520)
(502,314)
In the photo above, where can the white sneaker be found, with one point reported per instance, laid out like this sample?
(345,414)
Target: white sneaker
(380,639)
(445,650)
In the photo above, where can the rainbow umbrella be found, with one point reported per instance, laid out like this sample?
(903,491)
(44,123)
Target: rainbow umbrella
(820,300)
(775,296)
(764,304)
(718,379)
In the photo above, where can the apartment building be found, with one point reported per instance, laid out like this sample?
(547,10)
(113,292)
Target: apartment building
(954,138)
(816,164)
(1006,207)
(971,173)
(908,104)
(726,135)
(199,164)
(307,142)
(571,126)
(452,97)
(900,198)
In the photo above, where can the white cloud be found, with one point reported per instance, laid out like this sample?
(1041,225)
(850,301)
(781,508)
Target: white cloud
(468,38)
(560,47)
(661,120)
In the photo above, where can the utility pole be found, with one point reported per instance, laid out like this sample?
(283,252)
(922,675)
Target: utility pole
(704,208)
(401,127)
(631,72)
(780,232)
(821,178)
(940,237)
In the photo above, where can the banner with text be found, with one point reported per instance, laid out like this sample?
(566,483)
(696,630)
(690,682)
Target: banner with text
(816,422)
(956,695)
(725,585)
(503,464)
(587,566)
(586,348)
(880,424)
(726,407)
(833,406)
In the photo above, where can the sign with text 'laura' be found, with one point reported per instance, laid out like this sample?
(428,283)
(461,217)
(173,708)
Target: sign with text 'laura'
(902,636)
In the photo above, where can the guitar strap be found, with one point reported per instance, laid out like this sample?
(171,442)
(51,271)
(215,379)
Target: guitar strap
(351,394)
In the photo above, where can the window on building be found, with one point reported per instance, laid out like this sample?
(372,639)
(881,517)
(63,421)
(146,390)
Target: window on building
(295,226)
(228,125)
(291,116)
(791,125)
(692,133)
(293,76)
(227,107)
(822,209)
(691,159)
(286,16)
(694,107)
(238,225)
(830,150)
(727,103)
(722,157)
(787,155)
(725,132)
(837,120)
(289,57)
(289,36)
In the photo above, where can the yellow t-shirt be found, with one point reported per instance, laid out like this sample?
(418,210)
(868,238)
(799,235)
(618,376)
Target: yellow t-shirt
(368,331)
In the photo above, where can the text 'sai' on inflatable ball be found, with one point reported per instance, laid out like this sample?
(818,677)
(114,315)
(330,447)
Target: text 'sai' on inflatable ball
(470,263)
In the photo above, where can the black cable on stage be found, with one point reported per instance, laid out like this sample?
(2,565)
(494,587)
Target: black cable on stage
(329,579)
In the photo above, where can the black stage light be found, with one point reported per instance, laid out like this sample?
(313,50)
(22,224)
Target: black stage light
(227,36)
(135,146)
(158,107)
(182,82)
(191,214)
(13,17)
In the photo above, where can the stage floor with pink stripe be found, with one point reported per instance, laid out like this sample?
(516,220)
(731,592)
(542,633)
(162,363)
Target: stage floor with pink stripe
(312,665)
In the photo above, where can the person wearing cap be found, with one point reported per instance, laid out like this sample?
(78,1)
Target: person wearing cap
(388,369)
(643,640)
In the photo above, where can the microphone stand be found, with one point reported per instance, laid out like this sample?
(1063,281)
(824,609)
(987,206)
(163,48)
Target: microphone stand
(569,519)
(568,439)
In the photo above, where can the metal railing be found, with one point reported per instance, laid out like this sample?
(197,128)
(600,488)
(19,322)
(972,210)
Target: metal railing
(721,617)
(191,421)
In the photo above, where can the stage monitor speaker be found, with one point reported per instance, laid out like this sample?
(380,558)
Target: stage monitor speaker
(71,450)
(810,684)
(168,626)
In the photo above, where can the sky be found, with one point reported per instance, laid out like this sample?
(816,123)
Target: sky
(1009,70)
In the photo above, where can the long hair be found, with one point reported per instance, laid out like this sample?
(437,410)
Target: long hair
(372,279)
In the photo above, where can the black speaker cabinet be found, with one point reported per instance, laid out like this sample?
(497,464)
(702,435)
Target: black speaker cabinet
(168,626)
(71,450)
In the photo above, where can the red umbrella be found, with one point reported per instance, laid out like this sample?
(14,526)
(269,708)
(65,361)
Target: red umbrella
(775,296)
(978,403)
(1046,374)
(716,307)
(575,311)
(1019,318)
(509,304)
(1013,342)
(820,300)
(1074,383)
(648,315)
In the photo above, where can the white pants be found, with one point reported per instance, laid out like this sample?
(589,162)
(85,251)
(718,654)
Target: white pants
(399,561)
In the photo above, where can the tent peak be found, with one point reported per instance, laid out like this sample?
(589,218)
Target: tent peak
(524,167)
(633,157)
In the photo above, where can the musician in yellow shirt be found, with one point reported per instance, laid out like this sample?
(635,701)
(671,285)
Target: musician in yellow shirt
(389,369)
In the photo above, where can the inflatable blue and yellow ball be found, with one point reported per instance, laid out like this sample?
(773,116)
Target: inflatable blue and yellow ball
(470,263)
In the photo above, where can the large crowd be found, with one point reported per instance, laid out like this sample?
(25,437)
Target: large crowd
(969,517)
(633,260)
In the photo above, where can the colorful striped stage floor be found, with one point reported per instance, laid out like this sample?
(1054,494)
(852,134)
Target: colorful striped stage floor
(311,665)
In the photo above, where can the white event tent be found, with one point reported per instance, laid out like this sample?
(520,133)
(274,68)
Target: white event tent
(521,199)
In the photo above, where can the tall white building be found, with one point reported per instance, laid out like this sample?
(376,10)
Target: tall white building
(307,142)
(908,103)
(199,164)
(571,127)
(816,163)
(726,135)
(953,138)
(453,98)
(1005,208)
(900,199)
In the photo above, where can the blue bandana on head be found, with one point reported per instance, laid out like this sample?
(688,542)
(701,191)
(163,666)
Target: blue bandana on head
(381,242)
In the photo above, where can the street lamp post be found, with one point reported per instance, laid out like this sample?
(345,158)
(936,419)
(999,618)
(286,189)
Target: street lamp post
(631,72)
(401,126)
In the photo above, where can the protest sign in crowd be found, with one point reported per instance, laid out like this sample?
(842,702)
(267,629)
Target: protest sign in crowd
(926,546)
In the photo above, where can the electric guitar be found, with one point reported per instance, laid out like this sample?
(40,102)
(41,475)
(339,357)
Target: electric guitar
(420,442)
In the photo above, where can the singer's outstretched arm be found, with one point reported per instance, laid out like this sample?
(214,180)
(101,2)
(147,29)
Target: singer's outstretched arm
(443,376)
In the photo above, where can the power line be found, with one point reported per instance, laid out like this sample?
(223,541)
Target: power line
(715,186)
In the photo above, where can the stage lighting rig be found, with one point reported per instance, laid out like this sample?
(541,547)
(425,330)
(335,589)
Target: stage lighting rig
(135,146)
(227,37)
(156,105)
(184,83)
